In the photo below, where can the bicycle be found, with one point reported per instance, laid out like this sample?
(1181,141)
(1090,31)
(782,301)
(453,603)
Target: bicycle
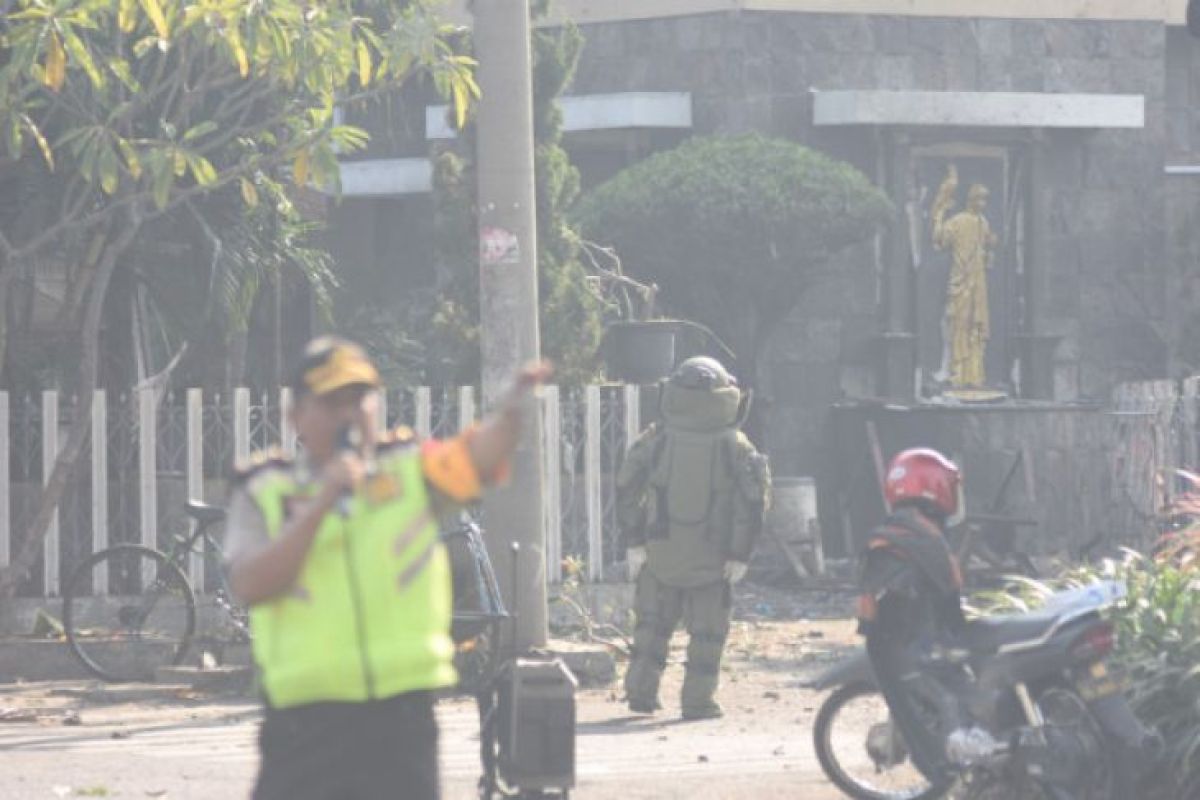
(129,609)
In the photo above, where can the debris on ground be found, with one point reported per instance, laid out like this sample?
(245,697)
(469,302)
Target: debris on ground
(18,715)
(755,601)
(47,626)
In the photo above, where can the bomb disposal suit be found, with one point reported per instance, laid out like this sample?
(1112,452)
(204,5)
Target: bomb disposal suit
(691,500)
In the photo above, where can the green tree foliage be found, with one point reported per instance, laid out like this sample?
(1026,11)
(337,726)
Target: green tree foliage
(733,229)
(118,115)
(570,312)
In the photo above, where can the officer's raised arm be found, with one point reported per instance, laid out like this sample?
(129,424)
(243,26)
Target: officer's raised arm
(496,438)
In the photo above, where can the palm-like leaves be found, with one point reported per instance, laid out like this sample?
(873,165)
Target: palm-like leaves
(1159,643)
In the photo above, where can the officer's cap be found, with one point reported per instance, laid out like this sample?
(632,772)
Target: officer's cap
(330,363)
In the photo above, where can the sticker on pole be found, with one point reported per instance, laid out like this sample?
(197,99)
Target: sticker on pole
(498,246)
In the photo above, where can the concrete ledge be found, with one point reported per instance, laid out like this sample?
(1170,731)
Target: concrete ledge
(39,660)
(979,109)
(592,665)
(52,660)
(598,112)
(235,679)
(114,694)
(585,11)
(386,177)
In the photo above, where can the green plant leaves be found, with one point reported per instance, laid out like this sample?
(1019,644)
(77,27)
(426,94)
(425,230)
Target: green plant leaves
(1158,643)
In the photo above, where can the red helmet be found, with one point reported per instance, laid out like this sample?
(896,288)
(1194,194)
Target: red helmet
(927,475)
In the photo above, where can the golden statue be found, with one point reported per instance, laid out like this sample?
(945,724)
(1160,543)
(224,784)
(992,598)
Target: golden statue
(966,325)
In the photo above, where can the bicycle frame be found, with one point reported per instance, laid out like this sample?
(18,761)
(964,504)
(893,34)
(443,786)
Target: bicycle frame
(186,546)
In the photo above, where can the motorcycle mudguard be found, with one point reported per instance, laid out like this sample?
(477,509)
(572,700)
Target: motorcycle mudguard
(854,669)
(1138,746)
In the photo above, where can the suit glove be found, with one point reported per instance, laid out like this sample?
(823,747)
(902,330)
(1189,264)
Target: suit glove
(635,557)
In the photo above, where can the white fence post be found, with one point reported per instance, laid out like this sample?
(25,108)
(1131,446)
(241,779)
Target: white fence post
(1190,419)
(287,436)
(5,502)
(195,476)
(381,412)
(49,455)
(241,425)
(424,412)
(99,486)
(633,414)
(552,453)
(466,407)
(148,469)
(592,484)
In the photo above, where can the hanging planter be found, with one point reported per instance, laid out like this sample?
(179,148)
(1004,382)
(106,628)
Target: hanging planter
(637,349)
(640,351)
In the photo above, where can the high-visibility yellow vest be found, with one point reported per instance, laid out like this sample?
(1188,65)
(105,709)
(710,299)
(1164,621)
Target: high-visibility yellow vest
(369,616)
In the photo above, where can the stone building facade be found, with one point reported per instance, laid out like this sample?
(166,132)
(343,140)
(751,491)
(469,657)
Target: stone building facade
(1082,117)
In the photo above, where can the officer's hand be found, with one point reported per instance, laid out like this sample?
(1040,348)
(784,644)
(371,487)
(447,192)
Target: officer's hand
(529,378)
(735,571)
(636,558)
(533,374)
(343,473)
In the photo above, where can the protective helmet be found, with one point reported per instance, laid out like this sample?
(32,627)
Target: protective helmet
(928,477)
(702,372)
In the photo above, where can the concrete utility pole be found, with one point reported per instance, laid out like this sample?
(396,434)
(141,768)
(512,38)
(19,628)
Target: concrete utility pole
(508,294)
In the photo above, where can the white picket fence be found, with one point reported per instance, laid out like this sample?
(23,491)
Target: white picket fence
(160,450)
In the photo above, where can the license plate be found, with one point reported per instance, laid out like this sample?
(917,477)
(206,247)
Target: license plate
(1100,682)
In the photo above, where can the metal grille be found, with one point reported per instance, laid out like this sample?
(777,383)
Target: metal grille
(75,509)
(444,412)
(172,436)
(122,441)
(25,470)
(574,494)
(613,438)
(124,522)
(218,437)
(264,422)
(25,435)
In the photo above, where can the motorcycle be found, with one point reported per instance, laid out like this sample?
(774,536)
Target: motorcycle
(1052,720)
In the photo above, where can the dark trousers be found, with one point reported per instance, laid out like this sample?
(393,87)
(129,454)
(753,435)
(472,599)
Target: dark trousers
(380,750)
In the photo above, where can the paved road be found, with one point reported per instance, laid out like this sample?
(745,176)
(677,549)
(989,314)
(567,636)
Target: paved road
(212,755)
(760,750)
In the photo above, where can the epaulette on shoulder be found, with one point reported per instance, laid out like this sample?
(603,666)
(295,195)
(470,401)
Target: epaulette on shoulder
(399,437)
(271,458)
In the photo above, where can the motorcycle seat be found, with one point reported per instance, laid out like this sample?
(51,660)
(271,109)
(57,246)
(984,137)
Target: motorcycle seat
(989,634)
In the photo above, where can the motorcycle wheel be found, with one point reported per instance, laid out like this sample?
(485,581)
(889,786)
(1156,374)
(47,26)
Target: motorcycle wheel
(850,715)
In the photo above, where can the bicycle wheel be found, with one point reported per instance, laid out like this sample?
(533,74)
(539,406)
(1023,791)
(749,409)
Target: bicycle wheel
(128,610)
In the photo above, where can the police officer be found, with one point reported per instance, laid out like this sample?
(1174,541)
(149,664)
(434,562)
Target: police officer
(337,554)
(691,500)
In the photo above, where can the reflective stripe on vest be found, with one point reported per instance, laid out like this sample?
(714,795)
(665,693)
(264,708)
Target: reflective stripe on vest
(370,614)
